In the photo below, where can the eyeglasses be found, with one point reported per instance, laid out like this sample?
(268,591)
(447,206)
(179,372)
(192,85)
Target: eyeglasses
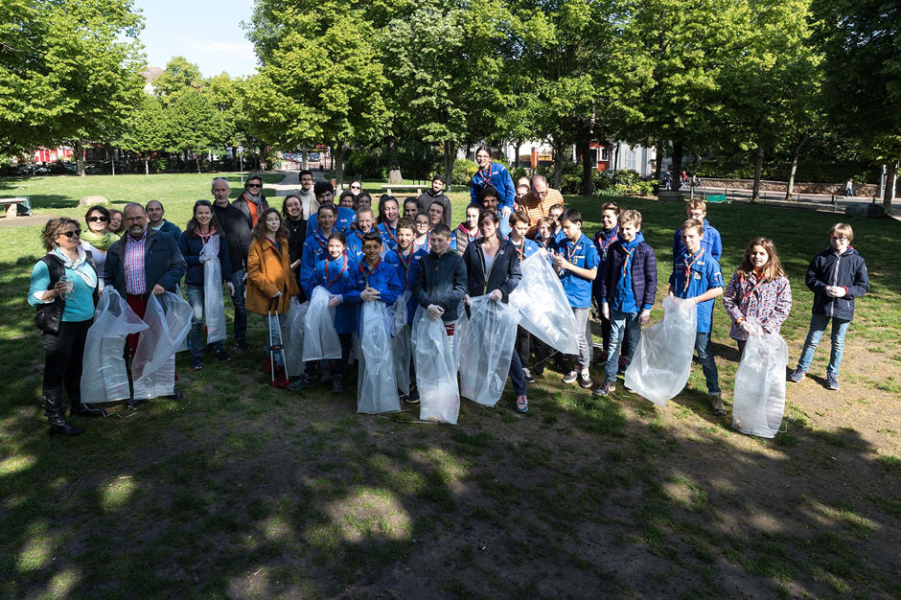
(98,219)
(72,234)
(254,185)
(354,187)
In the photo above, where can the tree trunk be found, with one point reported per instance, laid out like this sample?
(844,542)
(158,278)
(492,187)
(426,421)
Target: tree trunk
(197,159)
(658,167)
(758,169)
(303,158)
(678,150)
(449,150)
(516,158)
(796,154)
(394,174)
(583,147)
(558,164)
(338,162)
(147,164)
(891,187)
(79,158)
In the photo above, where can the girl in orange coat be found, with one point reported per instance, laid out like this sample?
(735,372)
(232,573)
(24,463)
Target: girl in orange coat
(269,275)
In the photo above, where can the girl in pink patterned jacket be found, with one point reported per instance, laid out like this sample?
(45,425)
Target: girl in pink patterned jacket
(759,293)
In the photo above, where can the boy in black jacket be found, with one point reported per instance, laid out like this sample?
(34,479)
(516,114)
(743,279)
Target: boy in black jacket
(441,280)
(836,276)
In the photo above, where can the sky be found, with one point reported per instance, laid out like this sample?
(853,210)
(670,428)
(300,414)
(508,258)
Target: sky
(208,33)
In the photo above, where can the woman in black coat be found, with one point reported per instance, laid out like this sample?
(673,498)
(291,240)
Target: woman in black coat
(492,267)
(292,211)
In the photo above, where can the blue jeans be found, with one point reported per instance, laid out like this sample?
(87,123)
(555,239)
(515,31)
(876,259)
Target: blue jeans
(621,324)
(815,334)
(704,347)
(195,338)
(237,280)
(504,225)
(517,377)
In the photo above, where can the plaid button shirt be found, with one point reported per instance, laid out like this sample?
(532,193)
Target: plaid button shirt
(135,276)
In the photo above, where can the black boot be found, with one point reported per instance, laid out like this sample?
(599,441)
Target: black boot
(337,384)
(73,391)
(53,409)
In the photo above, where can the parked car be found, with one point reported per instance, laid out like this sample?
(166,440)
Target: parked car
(315,157)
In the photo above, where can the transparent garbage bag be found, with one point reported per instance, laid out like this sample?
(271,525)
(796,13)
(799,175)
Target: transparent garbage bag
(213,301)
(184,345)
(545,311)
(436,372)
(486,350)
(376,386)
(104,372)
(758,401)
(168,320)
(320,339)
(295,322)
(401,345)
(662,362)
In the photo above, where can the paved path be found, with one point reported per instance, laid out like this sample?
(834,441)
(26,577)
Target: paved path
(23,221)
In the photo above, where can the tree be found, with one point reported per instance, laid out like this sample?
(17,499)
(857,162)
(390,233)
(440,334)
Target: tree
(149,129)
(179,77)
(196,125)
(768,94)
(69,70)
(861,43)
(322,79)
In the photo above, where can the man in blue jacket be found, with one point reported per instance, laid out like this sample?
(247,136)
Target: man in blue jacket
(497,176)
(142,263)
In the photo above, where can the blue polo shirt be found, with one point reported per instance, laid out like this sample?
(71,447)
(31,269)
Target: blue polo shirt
(582,254)
(705,275)
(406,266)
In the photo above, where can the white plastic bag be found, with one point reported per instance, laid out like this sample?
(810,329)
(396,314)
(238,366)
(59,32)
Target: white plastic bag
(376,386)
(168,320)
(104,375)
(213,303)
(401,345)
(545,311)
(662,362)
(184,345)
(758,401)
(486,350)
(320,339)
(294,322)
(436,373)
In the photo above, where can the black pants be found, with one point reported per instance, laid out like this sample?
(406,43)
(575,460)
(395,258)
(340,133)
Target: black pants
(524,346)
(63,355)
(339,366)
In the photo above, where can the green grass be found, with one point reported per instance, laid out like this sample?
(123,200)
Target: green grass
(240,490)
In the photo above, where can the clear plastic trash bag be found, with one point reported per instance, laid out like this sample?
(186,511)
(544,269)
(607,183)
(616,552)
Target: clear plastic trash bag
(104,372)
(662,362)
(436,372)
(545,311)
(376,386)
(168,320)
(213,301)
(184,345)
(758,401)
(320,338)
(294,324)
(401,344)
(486,350)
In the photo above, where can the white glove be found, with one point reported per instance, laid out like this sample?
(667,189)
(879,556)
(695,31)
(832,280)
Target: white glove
(335,300)
(277,294)
(644,317)
(466,299)
(835,291)
(506,212)
(231,288)
(369,294)
(434,311)
(748,328)
(605,310)
(205,257)
(495,295)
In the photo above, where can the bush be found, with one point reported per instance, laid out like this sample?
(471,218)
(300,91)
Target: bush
(419,160)
(463,171)
(602,180)
(626,177)
(517,173)
(366,163)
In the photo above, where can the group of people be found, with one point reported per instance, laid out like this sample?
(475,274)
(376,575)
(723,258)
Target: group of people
(409,255)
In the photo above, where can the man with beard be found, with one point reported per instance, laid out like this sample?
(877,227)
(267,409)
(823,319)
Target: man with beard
(307,197)
(436,194)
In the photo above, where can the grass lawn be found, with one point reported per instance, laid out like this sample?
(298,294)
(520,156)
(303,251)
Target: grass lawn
(242,491)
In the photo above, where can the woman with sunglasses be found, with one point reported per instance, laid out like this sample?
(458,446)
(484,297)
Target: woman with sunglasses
(63,291)
(97,239)
(202,229)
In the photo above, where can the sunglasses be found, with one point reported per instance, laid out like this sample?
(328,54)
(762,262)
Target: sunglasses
(98,219)
(254,185)
(72,234)
(354,187)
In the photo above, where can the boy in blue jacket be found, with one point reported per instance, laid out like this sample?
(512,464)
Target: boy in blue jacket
(697,276)
(628,289)
(712,242)
(365,222)
(576,262)
(836,276)
(603,240)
